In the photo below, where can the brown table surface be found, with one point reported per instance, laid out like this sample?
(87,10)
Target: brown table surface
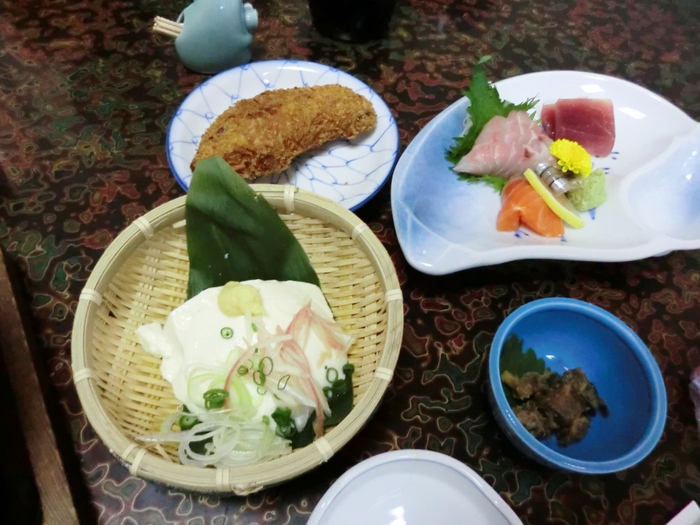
(87,95)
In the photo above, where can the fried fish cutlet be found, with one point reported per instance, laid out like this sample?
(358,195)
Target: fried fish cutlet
(262,135)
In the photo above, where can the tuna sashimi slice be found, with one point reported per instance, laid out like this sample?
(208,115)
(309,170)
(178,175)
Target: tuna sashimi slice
(547,119)
(588,121)
(522,205)
(507,146)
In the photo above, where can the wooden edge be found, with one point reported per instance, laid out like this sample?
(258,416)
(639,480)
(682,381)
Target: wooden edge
(50,453)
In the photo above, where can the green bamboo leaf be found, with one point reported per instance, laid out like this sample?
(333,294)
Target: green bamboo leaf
(233,234)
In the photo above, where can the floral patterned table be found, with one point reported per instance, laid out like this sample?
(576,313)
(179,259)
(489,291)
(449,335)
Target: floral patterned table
(87,95)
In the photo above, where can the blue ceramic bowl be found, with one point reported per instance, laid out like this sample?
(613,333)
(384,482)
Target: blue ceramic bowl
(567,334)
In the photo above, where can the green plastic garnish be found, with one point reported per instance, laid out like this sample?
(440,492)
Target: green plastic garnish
(339,396)
(518,363)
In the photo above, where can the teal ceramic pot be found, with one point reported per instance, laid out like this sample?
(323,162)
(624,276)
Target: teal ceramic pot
(216,35)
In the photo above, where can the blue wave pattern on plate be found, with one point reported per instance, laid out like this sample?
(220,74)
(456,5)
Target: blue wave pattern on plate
(349,172)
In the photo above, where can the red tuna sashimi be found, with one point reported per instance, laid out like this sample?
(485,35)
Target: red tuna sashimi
(590,122)
(507,146)
(522,204)
(547,119)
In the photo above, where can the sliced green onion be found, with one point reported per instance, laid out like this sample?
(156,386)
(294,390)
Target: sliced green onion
(331,375)
(242,370)
(227,332)
(261,391)
(255,329)
(214,398)
(187,420)
(197,384)
(259,378)
(286,427)
(263,365)
(282,383)
(241,397)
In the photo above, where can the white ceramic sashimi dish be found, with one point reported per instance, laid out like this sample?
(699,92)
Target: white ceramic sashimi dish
(348,172)
(653,184)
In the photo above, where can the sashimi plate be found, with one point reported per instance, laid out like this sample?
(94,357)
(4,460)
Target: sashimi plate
(653,183)
(348,172)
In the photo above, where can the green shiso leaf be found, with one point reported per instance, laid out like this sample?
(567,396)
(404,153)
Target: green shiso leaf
(497,183)
(485,103)
(517,362)
(233,234)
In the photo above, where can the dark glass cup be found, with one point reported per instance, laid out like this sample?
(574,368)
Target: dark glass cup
(352,20)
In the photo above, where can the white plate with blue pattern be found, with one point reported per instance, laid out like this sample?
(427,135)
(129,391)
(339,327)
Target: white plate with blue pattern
(445,225)
(349,172)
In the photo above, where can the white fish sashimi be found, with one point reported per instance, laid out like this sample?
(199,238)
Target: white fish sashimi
(507,146)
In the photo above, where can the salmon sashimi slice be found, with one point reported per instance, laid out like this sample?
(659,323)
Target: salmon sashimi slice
(522,205)
(507,146)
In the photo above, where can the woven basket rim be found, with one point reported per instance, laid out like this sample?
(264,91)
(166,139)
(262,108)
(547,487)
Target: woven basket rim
(239,480)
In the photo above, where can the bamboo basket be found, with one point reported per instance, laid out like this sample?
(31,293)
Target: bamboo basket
(142,276)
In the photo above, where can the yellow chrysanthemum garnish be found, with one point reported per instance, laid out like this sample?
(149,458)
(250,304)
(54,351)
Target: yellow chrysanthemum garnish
(572,157)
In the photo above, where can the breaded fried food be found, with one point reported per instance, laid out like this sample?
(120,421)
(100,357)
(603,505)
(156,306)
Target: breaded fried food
(262,135)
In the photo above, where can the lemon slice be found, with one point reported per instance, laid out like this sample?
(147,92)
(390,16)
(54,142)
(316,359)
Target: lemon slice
(550,200)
